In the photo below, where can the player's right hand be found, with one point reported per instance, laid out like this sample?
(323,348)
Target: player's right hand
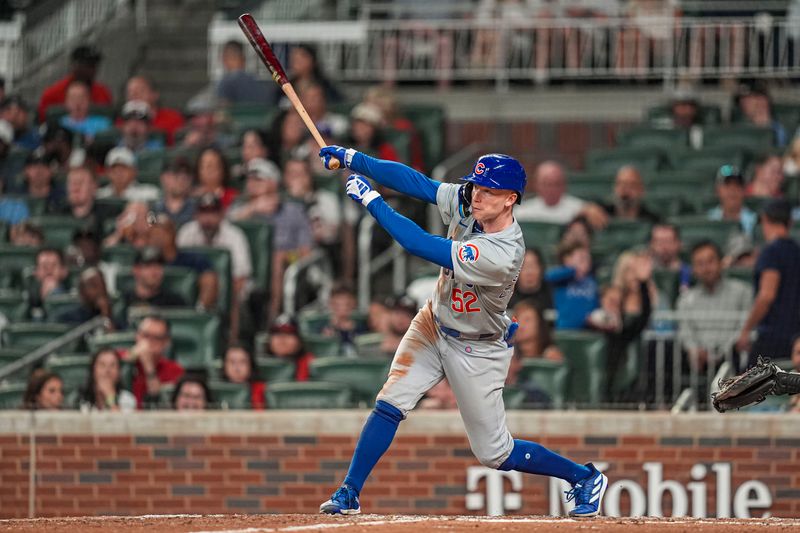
(343,155)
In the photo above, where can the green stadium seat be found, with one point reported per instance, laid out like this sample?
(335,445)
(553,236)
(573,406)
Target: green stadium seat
(13,304)
(540,234)
(3,231)
(646,159)
(429,120)
(513,397)
(623,234)
(10,355)
(369,345)
(246,116)
(36,206)
(259,237)
(593,186)
(56,304)
(117,340)
(668,283)
(322,346)
(195,336)
(745,137)
(649,136)
(150,163)
(220,259)
(548,376)
(585,357)
(705,163)
(58,230)
(228,395)
(308,395)
(788,114)
(13,260)
(364,377)
(312,322)
(108,138)
(275,369)
(72,369)
(695,229)
(32,335)
(12,394)
(179,280)
(665,205)
(123,255)
(709,114)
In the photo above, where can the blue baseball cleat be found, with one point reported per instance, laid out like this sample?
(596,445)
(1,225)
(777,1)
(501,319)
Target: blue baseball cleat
(343,501)
(588,494)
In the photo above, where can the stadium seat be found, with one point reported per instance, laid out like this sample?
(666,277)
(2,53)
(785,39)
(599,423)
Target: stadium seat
(259,237)
(56,304)
(122,255)
(117,340)
(429,120)
(308,395)
(195,335)
(150,163)
(647,136)
(228,395)
(73,369)
(312,322)
(540,234)
(665,205)
(592,186)
(513,397)
(369,345)
(9,355)
(744,137)
(322,346)
(108,138)
(32,335)
(646,159)
(220,259)
(695,229)
(660,114)
(667,282)
(788,114)
(622,234)
(585,357)
(548,376)
(179,280)
(13,260)
(705,163)
(275,369)
(12,394)
(365,377)
(13,304)
(250,115)
(3,231)
(36,206)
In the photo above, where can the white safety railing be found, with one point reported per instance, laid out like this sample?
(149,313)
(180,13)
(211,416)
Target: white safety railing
(10,56)
(502,49)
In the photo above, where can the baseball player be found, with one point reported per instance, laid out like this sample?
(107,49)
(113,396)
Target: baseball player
(463,332)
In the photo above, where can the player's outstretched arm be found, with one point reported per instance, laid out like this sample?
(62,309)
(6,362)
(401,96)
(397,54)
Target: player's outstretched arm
(388,173)
(414,239)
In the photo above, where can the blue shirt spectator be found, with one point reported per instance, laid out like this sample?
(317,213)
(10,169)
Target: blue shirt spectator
(575,290)
(78,119)
(238,86)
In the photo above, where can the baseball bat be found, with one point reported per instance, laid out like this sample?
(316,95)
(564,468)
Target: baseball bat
(250,28)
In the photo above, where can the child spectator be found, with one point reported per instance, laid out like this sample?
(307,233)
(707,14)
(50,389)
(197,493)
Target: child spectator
(239,366)
(366,133)
(285,343)
(191,394)
(103,390)
(533,337)
(45,391)
(575,289)
(530,285)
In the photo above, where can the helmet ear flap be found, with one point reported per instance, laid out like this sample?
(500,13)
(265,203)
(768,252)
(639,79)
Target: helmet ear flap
(465,199)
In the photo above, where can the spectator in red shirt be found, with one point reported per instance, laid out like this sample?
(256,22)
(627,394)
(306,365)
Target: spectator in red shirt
(384,99)
(163,118)
(366,132)
(153,369)
(214,176)
(85,60)
(239,366)
(285,342)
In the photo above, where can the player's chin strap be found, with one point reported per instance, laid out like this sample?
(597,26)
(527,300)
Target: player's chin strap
(464,200)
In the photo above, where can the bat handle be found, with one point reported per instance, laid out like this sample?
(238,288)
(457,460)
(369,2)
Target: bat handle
(333,164)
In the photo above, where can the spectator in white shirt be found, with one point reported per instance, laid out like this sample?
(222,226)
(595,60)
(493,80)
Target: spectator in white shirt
(121,170)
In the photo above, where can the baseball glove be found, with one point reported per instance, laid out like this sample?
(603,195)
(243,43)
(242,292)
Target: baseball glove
(749,388)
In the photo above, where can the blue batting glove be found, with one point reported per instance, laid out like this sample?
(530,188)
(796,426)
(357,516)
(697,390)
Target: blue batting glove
(343,155)
(359,189)
(512,329)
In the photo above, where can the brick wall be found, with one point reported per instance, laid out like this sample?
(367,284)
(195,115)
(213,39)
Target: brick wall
(237,462)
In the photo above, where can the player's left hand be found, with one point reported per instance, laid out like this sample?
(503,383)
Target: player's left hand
(343,155)
(359,189)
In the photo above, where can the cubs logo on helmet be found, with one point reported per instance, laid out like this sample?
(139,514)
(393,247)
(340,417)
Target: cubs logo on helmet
(468,253)
(480,168)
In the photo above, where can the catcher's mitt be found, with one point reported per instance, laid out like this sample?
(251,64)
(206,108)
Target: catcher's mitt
(749,388)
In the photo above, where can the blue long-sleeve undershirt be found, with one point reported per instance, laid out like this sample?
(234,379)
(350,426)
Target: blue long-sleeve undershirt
(396,176)
(414,239)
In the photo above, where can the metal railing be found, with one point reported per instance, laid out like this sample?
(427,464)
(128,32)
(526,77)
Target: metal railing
(10,57)
(317,261)
(538,49)
(368,265)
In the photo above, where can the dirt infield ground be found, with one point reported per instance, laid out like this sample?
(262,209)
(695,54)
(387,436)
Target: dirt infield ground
(383,524)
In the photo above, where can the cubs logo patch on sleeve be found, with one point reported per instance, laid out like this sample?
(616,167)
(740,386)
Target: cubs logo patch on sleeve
(468,253)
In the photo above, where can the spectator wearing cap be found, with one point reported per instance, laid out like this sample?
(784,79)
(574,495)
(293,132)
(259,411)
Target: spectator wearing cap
(285,343)
(214,176)
(209,228)
(730,188)
(385,100)
(203,125)
(628,196)
(366,132)
(292,231)
(237,86)
(39,173)
(162,235)
(78,118)
(94,300)
(164,119)
(17,112)
(121,169)
(684,110)
(153,369)
(755,105)
(341,306)
(177,182)
(768,177)
(137,118)
(84,62)
(314,100)
(148,283)
(775,315)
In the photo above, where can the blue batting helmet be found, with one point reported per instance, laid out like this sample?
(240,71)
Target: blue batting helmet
(499,171)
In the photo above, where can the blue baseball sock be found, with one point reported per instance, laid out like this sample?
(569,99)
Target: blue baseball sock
(533,458)
(375,439)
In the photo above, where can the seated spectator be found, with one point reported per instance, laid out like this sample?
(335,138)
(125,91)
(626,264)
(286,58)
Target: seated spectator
(26,234)
(384,99)
(552,203)
(39,173)
(164,119)
(177,182)
(684,111)
(755,106)
(137,121)
(533,337)
(378,316)
(121,169)
(213,176)
(45,391)
(530,285)
(162,236)
(203,128)
(665,249)
(103,390)
(304,69)
(237,86)
(49,276)
(132,226)
(329,124)
(153,367)
(191,394)
(713,311)
(578,230)
(285,343)
(209,228)
(289,137)
(440,396)
(12,210)
(254,145)
(402,311)
(731,193)
(17,112)
(58,143)
(78,118)
(148,286)
(341,306)
(239,366)
(791,159)
(83,67)
(768,177)
(575,289)
(628,195)
(366,123)
(94,300)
